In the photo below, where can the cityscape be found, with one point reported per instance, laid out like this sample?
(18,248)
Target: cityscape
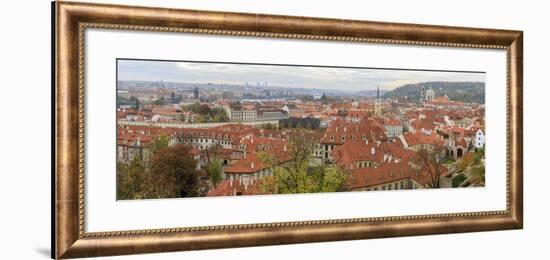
(205,129)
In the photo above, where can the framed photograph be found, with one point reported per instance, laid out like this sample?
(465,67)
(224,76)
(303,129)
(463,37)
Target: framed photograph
(185,130)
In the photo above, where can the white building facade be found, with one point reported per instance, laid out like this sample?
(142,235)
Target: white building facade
(480,139)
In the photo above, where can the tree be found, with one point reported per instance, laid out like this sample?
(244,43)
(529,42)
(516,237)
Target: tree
(130,179)
(456,181)
(478,172)
(204,109)
(194,107)
(432,162)
(201,119)
(159,102)
(172,174)
(478,155)
(465,161)
(334,179)
(218,115)
(215,171)
(159,143)
(293,173)
(136,101)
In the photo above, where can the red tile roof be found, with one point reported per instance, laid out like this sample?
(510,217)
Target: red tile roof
(236,186)
(341,131)
(248,165)
(392,122)
(422,138)
(385,173)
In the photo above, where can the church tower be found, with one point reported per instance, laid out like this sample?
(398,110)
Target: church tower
(377,105)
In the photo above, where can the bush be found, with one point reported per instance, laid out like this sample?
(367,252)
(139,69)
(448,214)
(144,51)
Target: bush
(458,179)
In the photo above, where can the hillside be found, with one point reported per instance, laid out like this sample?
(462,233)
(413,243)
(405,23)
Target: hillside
(469,92)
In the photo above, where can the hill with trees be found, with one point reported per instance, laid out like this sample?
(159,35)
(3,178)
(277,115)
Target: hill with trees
(469,92)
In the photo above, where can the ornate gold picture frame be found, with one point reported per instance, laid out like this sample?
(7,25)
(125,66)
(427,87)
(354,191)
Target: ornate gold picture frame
(72,19)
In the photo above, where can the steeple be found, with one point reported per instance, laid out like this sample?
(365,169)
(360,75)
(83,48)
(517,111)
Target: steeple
(377,106)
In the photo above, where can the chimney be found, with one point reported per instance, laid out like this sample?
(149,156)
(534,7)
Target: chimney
(252,165)
(372,151)
(284,148)
(244,155)
(345,129)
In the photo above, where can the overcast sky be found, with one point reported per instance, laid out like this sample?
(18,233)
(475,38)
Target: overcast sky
(283,76)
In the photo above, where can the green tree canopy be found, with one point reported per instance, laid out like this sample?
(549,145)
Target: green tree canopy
(130,178)
(159,143)
(297,175)
(160,102)
(215,171)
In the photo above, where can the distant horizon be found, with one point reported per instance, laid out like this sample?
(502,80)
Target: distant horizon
(291,87)
(345,79)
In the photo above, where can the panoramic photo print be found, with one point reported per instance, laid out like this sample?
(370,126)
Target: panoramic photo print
(204,129)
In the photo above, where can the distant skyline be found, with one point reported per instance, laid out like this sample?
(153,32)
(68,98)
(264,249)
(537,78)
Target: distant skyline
(352,79)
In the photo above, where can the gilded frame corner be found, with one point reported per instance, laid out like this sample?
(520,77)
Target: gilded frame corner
(72,19)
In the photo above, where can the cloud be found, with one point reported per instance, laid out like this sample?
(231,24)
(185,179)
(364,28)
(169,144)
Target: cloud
(283,76)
